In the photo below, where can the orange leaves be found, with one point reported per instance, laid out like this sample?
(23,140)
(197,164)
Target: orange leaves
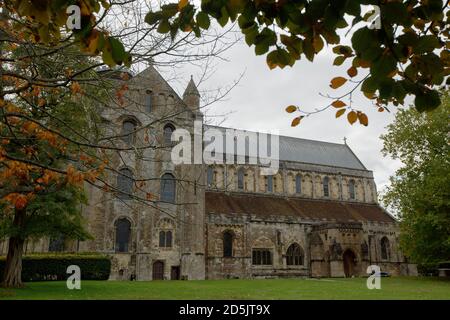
(182,4)
(120,94)
(92,42)
(291,109)
(16,169)
(364,64)
(352,72)
(340,113)
(47,136)
(36,91)
(338,104)
(337,82)
(76,88)
(296,121)
(29,127)
(48,177)
(86,159)
(91,175)
(352,117)
(41,102)
(363,119)
(18,200)
(73,176)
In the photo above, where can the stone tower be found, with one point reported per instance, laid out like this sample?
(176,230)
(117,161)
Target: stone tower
(191,96)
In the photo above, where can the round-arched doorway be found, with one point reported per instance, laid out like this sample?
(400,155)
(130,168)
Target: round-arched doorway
(349,259)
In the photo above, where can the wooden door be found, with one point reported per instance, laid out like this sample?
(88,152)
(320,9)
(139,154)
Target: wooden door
(158,270)
(349,263)
(175,273)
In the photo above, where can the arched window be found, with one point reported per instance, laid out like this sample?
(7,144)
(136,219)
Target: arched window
(385,248)
(168,130)
(298,184)
(123,232)
(294,255)
(269,187)
(128,131)
(148,101)
(125,183)
(326,187)
(241,179)
(209,176)
(351,189)
(227,244)
(168,188)
(165,239)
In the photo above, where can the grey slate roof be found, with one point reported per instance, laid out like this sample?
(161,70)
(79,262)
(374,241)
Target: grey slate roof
(314,152)
(318,152)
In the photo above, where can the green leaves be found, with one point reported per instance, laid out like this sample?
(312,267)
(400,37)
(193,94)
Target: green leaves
(279,58)
(264,40)
(293,45)
(419,189)
(163,26)
(395,13)
(153,17)
(203,20)
(401,55)
(114,53)
(339,60)
(118,50)
(426,44)
(428,100)
(383,66)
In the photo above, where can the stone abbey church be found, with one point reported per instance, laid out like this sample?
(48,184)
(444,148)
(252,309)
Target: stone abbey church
(318,216)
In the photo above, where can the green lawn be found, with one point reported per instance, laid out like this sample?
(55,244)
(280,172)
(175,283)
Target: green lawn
(391,288)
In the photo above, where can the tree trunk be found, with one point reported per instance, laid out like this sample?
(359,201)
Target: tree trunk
(12,277)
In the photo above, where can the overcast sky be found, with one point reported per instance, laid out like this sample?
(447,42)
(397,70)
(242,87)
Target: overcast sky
(258,103)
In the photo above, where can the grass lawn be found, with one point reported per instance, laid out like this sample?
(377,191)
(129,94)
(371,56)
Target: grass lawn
(391,288)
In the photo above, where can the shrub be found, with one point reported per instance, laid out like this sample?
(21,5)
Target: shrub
(428,269)
(44,267)
(444,265)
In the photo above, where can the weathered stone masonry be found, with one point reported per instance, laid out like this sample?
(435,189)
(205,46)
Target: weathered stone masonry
(316,217)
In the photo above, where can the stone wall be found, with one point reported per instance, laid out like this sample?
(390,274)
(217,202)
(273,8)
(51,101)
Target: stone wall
(325,246)
(225,177)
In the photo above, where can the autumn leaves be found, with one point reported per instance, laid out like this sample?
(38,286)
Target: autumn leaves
(352,115)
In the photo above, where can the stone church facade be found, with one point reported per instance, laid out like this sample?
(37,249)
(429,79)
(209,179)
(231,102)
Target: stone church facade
(318,216)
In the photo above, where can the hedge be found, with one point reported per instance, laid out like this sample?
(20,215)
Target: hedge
(45,267)
(428,269)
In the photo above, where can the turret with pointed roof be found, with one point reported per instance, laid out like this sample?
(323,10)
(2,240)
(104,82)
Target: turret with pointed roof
(191,96)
